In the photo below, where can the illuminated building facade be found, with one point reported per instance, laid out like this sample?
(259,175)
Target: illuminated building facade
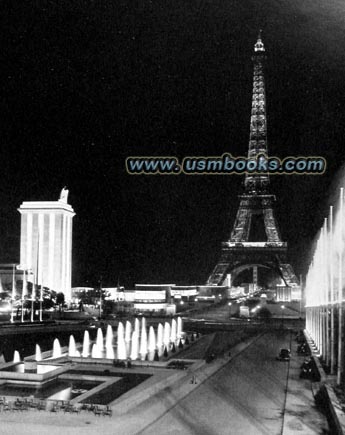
(46,243)
(153,298)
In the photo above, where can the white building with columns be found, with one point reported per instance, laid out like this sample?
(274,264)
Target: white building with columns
(46,242)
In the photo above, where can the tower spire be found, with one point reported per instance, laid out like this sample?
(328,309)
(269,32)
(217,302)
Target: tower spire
(258,124)
(259,46)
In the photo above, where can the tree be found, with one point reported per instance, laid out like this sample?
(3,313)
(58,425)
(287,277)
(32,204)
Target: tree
(47,303)
(264,313)
(60,300)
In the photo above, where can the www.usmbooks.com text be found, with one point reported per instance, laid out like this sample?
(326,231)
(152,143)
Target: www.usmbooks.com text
(225,164)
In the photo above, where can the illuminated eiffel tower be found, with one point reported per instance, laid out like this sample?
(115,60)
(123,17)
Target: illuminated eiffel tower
(248,248)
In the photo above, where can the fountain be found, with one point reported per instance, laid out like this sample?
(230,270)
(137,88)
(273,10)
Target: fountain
(86,345)
(135,345)
(95,352)
(109,350)
(143,324)
(152,344)
(173,331)
(179,327)
(128,331)
(135,342)
(166,334)
(143,343)
(160,339)
(16,357)
(38,353)
(72,349)
(137,325)
(121,345)
(56,348)
(99,342)
(109,336)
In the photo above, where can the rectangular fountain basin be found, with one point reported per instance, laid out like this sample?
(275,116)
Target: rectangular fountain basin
(53,390)
(41,368)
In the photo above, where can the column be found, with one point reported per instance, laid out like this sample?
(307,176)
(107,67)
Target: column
(51,250)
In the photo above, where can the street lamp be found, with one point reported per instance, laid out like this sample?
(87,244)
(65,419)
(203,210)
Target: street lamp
(229,304)
(13,293)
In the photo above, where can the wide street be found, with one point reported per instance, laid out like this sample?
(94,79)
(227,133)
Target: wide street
(246,396)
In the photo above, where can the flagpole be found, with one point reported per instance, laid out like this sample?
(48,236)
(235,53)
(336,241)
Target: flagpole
(33,296)
(13,293)
(41,300)
(37,275)
(23,294)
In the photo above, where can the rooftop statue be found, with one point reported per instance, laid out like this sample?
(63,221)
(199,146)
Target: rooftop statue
(64,195)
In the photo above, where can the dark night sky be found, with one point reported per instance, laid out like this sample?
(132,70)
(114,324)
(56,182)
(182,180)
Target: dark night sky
(84,84)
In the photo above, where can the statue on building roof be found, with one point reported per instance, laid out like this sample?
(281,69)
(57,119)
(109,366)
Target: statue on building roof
(64,195)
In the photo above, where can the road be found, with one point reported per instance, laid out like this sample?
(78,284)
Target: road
(246,396)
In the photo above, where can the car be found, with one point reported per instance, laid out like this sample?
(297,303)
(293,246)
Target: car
(284,355)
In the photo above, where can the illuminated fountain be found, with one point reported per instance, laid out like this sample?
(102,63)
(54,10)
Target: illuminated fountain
(38,353)
(179,328)
(16,357)
(96,352)
(128,333)
(121,345)
(143,342)
(143,324)
(100,342)
(56,348)
(72,349)
(152,344)
(86,345)
(324,290)
(166,335)
(138,342)
(109,336)
(109,351)
(136,325)
(173,331)
(160,347)
(135,345)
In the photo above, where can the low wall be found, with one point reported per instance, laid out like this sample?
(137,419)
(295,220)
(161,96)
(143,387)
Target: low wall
(329,402)
(324,394)
(33,377)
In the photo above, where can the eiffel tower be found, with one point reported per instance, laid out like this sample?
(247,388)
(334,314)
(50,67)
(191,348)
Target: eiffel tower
(248,248)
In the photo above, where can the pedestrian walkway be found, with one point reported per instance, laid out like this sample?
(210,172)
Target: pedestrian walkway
(301,412)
